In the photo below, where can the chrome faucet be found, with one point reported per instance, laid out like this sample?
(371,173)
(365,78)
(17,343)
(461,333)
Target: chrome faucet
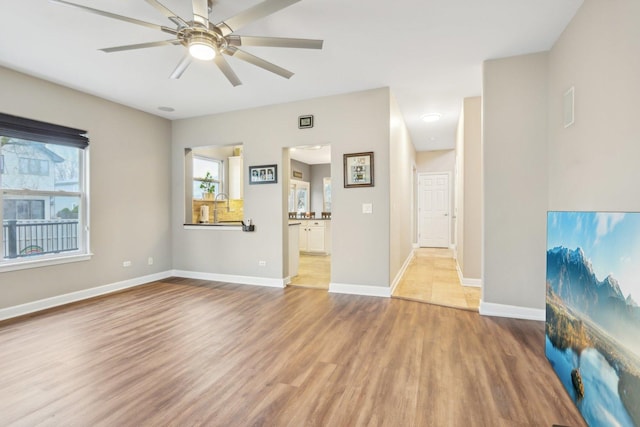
(215,206)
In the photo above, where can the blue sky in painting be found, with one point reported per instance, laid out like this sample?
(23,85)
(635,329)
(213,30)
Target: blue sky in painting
(611,240)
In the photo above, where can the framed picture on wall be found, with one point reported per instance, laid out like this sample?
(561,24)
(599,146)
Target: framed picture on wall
(358,170)
(266,174)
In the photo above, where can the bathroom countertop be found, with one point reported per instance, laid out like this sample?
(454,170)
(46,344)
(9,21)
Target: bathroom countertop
(309,219)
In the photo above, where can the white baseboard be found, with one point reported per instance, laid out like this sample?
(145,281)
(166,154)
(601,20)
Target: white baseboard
(467,281)
(475,283)
(401,272)
(415,245)
(513,311)
(230,278)
(43,304)
(367,290)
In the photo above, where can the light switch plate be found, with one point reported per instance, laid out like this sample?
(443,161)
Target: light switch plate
(367,208)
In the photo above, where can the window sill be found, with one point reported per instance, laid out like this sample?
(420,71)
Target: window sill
(25,264)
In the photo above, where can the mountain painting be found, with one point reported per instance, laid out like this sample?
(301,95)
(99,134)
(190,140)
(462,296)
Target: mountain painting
(592,318)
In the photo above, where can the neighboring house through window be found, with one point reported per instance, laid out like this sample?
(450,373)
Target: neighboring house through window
(43,205)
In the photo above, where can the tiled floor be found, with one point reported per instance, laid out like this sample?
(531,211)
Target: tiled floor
(432,277)
(314,271)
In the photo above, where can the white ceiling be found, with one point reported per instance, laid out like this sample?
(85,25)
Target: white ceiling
(313,155)
(429,52)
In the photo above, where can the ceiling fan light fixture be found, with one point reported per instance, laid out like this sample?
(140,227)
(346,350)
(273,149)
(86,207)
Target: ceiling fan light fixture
(201,47)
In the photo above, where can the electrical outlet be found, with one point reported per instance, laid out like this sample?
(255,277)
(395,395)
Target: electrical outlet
(150,260)
(262,263)
(126,264)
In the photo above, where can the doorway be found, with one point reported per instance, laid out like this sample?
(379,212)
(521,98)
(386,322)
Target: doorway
(434,219)
(309,203)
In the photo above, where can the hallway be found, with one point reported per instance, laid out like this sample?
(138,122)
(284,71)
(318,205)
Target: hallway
(431,277)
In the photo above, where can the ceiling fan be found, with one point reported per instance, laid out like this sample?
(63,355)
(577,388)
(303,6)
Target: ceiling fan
(207,41)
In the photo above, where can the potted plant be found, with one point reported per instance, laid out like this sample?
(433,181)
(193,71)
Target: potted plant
(208,187)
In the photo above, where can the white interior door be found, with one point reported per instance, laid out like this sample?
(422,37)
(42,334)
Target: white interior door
(433,210)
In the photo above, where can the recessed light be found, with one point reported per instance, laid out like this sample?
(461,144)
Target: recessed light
(431,117)
(167,109)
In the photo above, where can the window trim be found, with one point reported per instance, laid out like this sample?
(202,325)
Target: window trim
(45,260)
(220,181)
(46,133)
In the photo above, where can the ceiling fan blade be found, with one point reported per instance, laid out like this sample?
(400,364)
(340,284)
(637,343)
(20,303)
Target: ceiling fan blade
(201,12)
(252,14)
(118,17)
(141,46)
(168,13)
(235,40)
(226,70)
(181,67)
(258,62)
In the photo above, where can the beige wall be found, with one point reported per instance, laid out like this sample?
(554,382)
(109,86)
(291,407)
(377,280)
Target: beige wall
(469,213)
(129,181)
(514,139)
(593,164)
(436,161)
(350,123)
(458,198)
(532,163)
(318,173)
(402,158)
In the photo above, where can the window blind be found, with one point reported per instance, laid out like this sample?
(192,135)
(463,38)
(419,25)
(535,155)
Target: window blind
(34,130)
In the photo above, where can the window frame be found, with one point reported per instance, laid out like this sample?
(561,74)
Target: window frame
(220,182)
(45,133)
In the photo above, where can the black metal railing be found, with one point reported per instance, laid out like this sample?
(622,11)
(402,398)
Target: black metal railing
(23,238)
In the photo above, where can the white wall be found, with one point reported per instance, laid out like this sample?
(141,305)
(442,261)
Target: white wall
(350,123)
(129,178)
(514,115)
(593,164)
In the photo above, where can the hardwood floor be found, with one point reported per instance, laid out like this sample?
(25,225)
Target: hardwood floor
(314,271)
(184,352)
(432,277)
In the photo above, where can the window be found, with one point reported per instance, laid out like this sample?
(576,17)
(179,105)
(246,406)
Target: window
(43,205)
(22,209)
(33,166)
(202,166)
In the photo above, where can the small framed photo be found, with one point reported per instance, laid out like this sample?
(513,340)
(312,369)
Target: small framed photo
(305,122)
(266,174)
(358,170)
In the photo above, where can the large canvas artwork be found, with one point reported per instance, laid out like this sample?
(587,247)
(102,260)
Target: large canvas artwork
(593,320)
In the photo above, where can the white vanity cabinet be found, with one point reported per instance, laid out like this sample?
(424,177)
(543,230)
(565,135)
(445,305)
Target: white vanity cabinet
(315,236)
